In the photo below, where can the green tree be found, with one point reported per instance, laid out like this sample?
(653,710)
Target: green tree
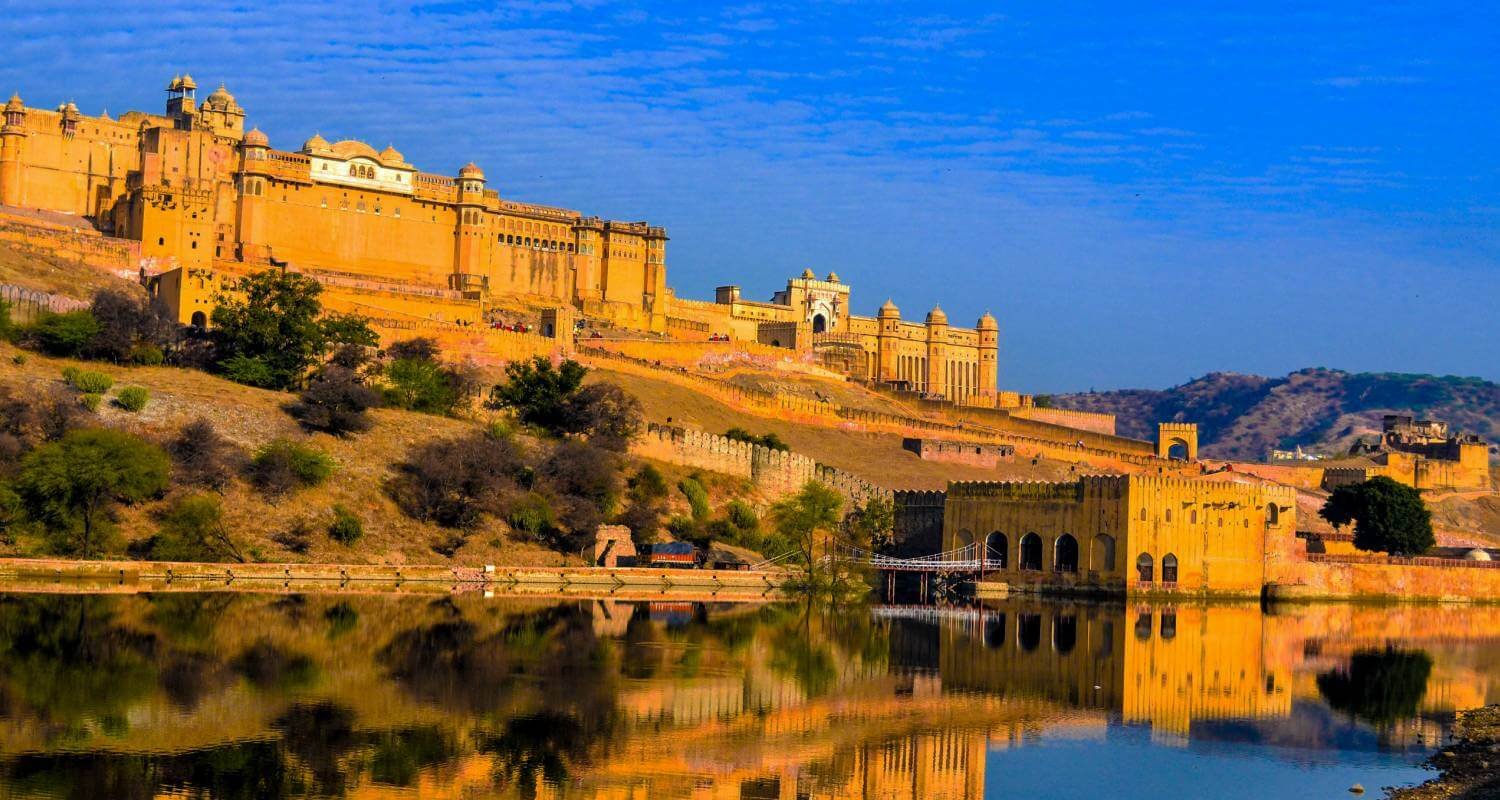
(538,392)
(870,526)
(346,528)
(806,522)
(1388,516)
(269,329)
(193,529)
(72,485)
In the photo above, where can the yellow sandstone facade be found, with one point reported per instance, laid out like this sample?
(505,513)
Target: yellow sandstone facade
(207,197)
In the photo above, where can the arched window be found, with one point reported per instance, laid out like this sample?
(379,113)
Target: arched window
(994,631)
(1169,515)
(1031,552)
(996,546)
(1169,568)
(199,320)
(1103,558)
(1029,631)
(1273,515)
(1065,554)
(1193,517)
(1143,564)
(1064,634)
(1143,515)
(1168,624)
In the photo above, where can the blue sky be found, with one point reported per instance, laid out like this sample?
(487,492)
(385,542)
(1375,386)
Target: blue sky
(1140,196)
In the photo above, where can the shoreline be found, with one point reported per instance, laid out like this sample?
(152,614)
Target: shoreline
(1470,766)
(61,575)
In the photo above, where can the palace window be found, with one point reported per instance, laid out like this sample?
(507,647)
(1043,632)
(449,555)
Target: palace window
(1169,568)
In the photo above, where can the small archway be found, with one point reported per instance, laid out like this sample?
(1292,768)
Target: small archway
(1169,568)
(1064,634)
(819,323)
(199,320)
(1177,450)
(1103,556)
(1029,631)
(1273,514)
(1031,552)
(1144,565)
(996,547)
(1065,553)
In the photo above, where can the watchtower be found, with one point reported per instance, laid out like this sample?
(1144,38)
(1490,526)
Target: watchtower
(1177,440)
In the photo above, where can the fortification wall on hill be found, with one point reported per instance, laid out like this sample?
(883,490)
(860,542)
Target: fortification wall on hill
(1091,421)
(26,305)
(1375,576)
(775,472)
(83,245)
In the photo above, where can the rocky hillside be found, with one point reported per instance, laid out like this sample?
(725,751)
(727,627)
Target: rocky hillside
(1245,416)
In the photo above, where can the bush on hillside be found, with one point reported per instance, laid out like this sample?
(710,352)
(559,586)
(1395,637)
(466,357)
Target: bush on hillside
(604,413)
(72,485)
(91,401)
(418,381)
(1388,517)
(88,381)
(531,514)
(455,482)
(770,440)
(697,498)
(283,465)
(31,419)
(204,457)
(346,528)
(646,494)
(133,398)
(147,355)
(336,402)
(67,335)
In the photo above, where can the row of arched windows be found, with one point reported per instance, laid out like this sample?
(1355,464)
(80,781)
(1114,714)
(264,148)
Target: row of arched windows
(361,171)
(1066,555)
(1029,632)
(1145,568)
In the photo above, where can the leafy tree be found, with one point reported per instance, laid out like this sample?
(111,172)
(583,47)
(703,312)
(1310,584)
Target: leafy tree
(1387,516)
(646,493)
(538,392)
(532,515)
(72,485)
(193,529)
(204,457)
(871,525)
(68,334)
(335,401)
(605,413)
(585,480)
(125,323)
(32,419)
(269,329)
(455,482)
(805,521)
(284,465)
(418,381)
(770,440)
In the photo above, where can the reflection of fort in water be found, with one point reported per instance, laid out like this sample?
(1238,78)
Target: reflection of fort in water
(674,700)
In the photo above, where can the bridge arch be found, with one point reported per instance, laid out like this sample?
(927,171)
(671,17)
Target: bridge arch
(1102,557)
(1065,553)
(1031,552)
(996,550)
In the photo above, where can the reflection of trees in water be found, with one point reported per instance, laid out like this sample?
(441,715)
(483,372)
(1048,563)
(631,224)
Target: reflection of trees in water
(65,658)
(1379,686)
(271,667)
(536,748)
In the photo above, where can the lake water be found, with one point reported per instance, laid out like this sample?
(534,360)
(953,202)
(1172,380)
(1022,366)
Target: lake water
(244,695)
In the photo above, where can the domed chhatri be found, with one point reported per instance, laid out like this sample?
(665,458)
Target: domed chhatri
(988,322)
(316,144)
(256,139)
(808,274)
(937,317)
(390,156)
(833,277)
(472,171)
(221,95)
(889,309)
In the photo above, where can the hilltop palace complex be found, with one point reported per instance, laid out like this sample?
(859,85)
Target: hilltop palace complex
(189,200)
(207,199)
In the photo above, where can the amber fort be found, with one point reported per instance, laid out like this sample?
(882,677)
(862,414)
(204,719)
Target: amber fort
(189,199)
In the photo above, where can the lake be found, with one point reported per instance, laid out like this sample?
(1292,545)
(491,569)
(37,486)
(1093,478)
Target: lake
(248,695)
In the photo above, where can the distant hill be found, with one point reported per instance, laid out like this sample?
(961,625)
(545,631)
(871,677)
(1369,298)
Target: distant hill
(1245,416)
